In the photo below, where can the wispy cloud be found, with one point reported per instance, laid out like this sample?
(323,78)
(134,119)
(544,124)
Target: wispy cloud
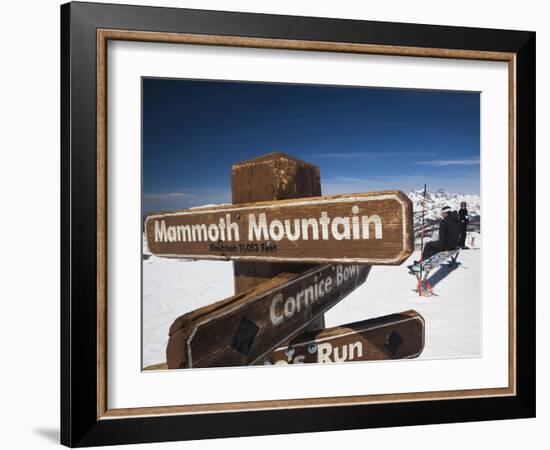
(449,162)
(468,183)
(181,199)
(344,179)
(155,196)
(367,155)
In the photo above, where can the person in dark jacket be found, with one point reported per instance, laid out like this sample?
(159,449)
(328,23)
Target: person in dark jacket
(449,234)
(464,219)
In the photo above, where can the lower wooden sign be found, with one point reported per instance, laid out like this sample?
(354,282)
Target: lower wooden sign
(246,328)
(389,337)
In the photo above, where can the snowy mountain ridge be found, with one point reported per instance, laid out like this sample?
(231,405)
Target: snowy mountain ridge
(440,198)
(432,210)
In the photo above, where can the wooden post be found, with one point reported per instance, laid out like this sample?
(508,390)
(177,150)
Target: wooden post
(275,176)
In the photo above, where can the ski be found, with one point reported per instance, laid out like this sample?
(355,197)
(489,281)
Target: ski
(422,270)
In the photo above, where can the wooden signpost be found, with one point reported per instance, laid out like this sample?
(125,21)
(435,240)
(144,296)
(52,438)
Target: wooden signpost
(395,336)
(367,228)
(244,329)
(275,176)
(295,255)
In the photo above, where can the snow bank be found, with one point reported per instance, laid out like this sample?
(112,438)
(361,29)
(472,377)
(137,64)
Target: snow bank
(172,287)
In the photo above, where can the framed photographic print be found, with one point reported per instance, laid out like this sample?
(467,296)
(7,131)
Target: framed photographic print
(277,224)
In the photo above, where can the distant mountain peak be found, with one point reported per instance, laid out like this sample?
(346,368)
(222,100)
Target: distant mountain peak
(435,200)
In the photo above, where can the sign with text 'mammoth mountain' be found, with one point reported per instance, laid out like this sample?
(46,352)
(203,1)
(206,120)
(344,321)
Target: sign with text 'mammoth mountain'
(369,228)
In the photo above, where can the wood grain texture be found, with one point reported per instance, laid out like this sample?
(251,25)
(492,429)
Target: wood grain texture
(512,222)
(394,336)
(366,228)
(274,176)
(292,44)
(253,324)
(103,35)
(350,400)
(182,327)
(101,224)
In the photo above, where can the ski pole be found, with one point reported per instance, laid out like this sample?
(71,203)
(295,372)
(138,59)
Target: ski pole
(422,229)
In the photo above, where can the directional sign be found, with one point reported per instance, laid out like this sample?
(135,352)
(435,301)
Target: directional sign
(368,228)
(246,328)
(390,337)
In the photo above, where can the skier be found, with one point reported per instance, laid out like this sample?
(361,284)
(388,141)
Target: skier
(464,219)
(449,234)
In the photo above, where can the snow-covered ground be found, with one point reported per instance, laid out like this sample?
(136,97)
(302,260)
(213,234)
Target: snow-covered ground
(172,287)
(452,318)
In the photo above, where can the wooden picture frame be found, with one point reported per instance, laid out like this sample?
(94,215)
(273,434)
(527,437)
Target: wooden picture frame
(86,418)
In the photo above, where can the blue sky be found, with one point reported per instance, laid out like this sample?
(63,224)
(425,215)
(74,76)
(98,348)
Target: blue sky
(362,139)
